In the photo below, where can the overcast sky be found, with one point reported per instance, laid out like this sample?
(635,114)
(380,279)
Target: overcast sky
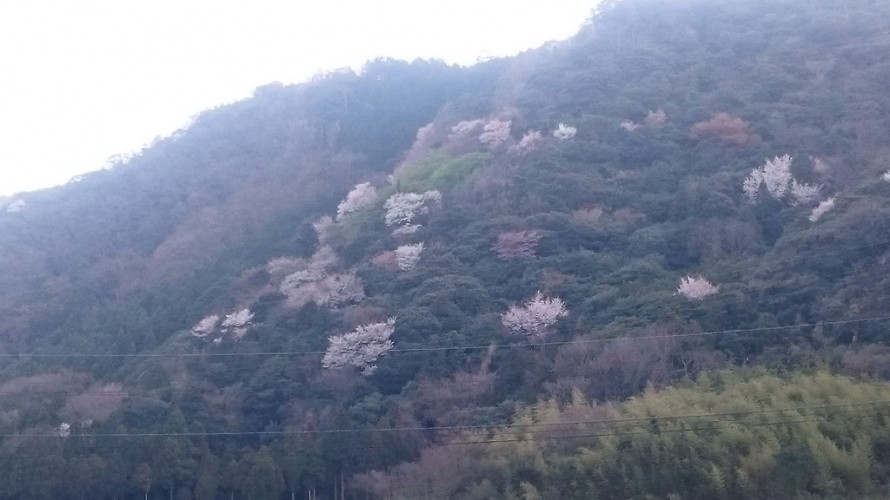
(83,80)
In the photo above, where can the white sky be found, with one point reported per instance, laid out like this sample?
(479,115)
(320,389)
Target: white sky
(83,80)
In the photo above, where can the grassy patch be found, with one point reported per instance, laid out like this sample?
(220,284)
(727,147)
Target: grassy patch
(440,170)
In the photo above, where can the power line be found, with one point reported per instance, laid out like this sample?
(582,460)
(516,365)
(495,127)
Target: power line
(773,251)
(727,416)
(452,348)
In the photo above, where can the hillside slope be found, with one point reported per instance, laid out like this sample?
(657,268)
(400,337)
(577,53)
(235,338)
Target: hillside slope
(373,261)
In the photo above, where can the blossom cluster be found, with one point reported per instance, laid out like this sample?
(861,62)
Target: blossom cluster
(358,198)
(535,316)
(530,142)
(234,324)
(821,209)
(402,208)
(564,132)
(696,287)
(408,255)
(316,282)
(360,348)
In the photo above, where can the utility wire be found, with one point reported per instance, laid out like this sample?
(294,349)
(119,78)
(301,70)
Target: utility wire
(452,348)
(475,347)
(728,416)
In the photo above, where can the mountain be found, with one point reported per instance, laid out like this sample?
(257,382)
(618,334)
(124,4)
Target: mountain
(357,284)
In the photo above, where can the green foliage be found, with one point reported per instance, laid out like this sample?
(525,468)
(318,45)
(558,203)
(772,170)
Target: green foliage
(126,261)
(440,170)
(750,435)
(264,479)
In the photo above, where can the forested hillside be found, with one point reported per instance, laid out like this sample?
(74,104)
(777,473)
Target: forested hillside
(649,261)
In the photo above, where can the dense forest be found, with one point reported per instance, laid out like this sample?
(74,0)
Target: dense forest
(650,261)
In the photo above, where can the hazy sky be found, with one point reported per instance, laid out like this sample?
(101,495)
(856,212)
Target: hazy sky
(83,80)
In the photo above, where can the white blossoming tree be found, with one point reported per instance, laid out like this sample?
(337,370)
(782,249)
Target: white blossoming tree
(886,176)
(314,281)
(206,326)
(655,118)
(630,125)
(279,267)
(238,318)
(531,141)
(495,133)
(237,322)
(407,256)
(358,198)
(564,132)
(821,209)
(465,128)
(535,316)
(406,230)
(804,194)
(322,227)
(774,174)
(341,289)
(360,348)
(696,287)
(401,209)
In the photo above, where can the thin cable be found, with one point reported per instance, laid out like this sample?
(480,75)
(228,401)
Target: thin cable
(452,348)
(604,421)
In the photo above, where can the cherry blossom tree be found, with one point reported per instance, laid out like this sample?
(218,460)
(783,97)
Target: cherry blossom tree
(337,290)
(820,166)
(280,267)
(821,209)
(322,227)
(696,287)
(534,318)
(358,198)
(564,132)
(886,176)
(630,126)
(237,322)
(315,283)
(804,194)
(774,174)
(655,118)
(531,141)
(237,319)
(465,128)
(426,138)
(406,230)
(407,256)
(360,348)
(402,208)
(495,133)
(206,326)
